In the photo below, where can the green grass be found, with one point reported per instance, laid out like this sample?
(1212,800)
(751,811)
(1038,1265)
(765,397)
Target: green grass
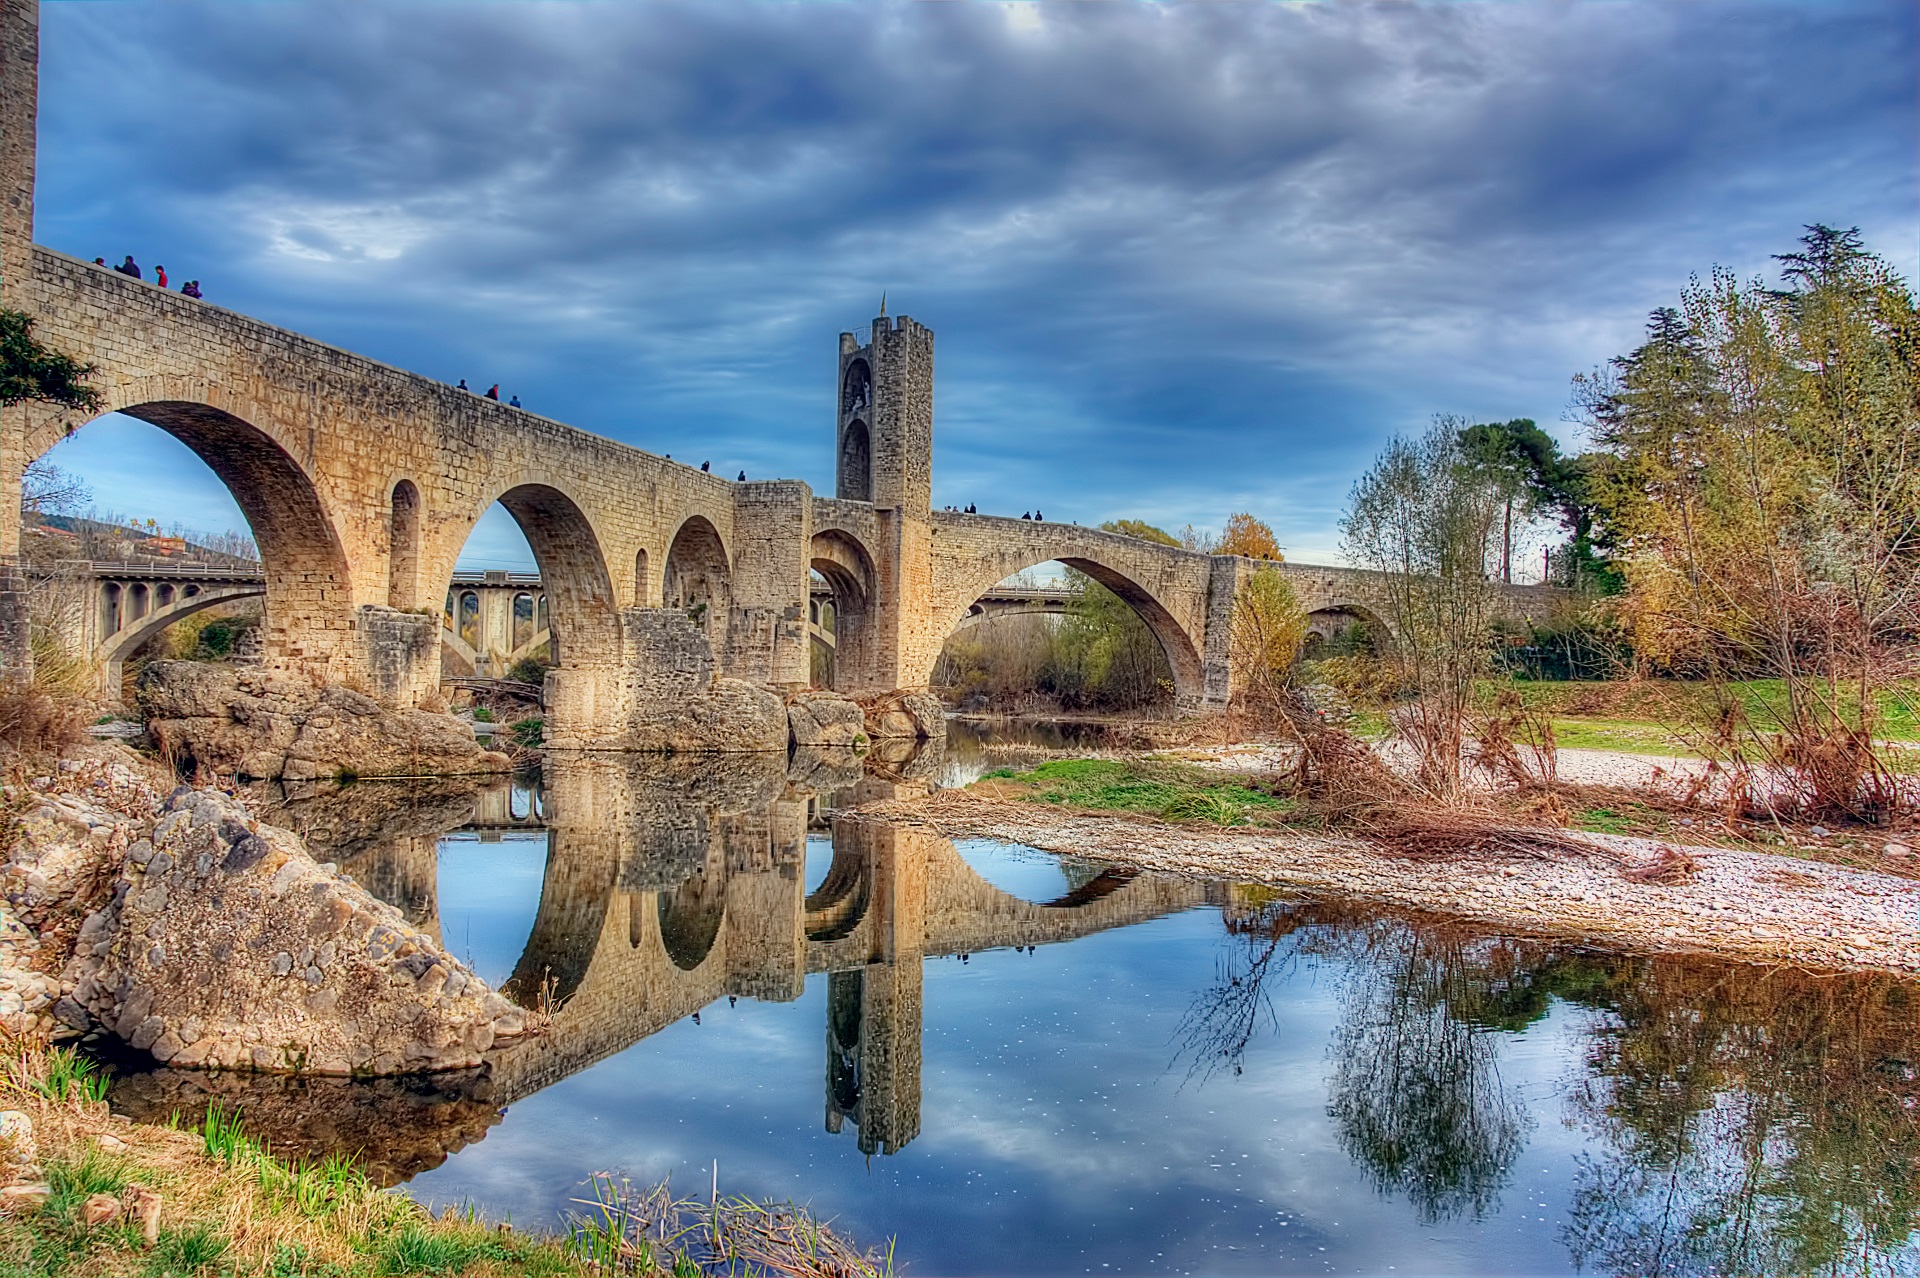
(69,1076)
(1164,790)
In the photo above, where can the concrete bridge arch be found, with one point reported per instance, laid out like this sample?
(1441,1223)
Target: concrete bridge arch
(137,632)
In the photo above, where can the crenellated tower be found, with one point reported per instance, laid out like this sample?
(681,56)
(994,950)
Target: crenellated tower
(884,442)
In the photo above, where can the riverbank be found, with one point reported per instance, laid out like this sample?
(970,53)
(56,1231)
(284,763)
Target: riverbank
(1637,894)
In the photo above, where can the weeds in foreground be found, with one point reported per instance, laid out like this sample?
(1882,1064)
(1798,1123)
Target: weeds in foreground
(626,1229)
(228,1207)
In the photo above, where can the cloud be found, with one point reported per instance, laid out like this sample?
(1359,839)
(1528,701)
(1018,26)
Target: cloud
(1181,260)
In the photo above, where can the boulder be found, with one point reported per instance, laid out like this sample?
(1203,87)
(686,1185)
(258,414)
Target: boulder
(906,714)
(271,725)
(226,946)
(826,719)
(728,716)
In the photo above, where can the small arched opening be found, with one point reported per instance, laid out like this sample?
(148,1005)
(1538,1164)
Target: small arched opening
(1073,634)
(523,624)
(403,545)
(642,583)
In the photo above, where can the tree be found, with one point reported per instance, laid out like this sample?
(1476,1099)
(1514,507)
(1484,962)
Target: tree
(1427,523)
(1245,535)
(32,372)
(1138,528)
(1763,485)
(45,489)
(1521,461)
(1268,628)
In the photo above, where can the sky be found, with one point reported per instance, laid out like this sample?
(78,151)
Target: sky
(1181,260)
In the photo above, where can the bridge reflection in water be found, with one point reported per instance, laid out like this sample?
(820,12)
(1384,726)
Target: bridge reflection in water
(671,883)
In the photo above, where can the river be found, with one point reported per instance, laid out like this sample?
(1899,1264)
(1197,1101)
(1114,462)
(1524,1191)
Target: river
(1015,1063)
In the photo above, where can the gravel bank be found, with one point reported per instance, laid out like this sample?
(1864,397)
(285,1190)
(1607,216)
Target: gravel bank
(1743,905)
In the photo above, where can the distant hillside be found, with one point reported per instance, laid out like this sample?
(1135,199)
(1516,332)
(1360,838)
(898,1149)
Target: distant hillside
(78,537)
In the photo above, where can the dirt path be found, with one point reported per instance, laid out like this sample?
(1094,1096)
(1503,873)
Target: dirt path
(1743,905)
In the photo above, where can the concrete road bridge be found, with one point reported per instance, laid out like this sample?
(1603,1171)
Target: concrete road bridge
(361,483)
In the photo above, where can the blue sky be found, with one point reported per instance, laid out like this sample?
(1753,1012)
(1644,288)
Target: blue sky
(1181,260)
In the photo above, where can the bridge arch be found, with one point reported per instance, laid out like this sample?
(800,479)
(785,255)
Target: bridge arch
(309,604)
(582,619)
(848,568)
(690,917)
(698,579)
(1183,650)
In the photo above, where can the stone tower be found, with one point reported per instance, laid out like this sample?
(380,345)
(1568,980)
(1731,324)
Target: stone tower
(884,441)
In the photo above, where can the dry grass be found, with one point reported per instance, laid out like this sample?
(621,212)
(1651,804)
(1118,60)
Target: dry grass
(625,1227)
(38,722)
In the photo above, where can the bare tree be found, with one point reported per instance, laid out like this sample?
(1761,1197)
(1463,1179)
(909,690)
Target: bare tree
(1427,523)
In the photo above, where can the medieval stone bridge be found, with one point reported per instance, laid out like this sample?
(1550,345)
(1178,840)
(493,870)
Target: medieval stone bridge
(361,483)
(671,884)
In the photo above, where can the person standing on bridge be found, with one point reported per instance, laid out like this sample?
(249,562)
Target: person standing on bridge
(463,383)
(514,402)
(129,267)
(742,479)
(493,392)
(1037,516)
(160,275)
(191,288)
(705,466)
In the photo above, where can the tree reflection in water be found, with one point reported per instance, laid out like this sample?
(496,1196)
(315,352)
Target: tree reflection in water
(1748,1122)
(1741,1121)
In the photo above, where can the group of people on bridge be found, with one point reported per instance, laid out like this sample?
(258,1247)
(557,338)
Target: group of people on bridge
(132,268)
(492,392)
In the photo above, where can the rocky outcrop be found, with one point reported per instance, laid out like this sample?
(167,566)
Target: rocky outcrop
(826,720)
(226,946)
(906,714)
(728,716)
(271,725)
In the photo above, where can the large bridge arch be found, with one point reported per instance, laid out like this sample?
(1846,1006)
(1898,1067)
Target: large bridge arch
(309,587)
(1185,652)
(583,618)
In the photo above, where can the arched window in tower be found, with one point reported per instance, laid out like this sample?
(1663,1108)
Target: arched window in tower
(855,482)
(856,390)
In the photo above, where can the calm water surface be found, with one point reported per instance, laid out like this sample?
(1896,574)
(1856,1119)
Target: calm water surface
(1021,1064)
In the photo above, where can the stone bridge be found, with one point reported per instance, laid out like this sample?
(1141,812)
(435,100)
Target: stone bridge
(361,483)
(671,884)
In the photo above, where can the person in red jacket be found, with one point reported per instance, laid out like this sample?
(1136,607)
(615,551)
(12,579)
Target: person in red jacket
(493,391)
(160,276)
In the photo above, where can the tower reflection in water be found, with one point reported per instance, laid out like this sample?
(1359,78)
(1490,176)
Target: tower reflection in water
(669,883)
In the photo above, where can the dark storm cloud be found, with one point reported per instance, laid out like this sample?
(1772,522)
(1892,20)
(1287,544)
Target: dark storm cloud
(1152,239)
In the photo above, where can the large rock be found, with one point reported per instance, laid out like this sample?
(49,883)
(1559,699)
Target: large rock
(827,720)
(271,725)
(906,714)
(226,946)
(728,716)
